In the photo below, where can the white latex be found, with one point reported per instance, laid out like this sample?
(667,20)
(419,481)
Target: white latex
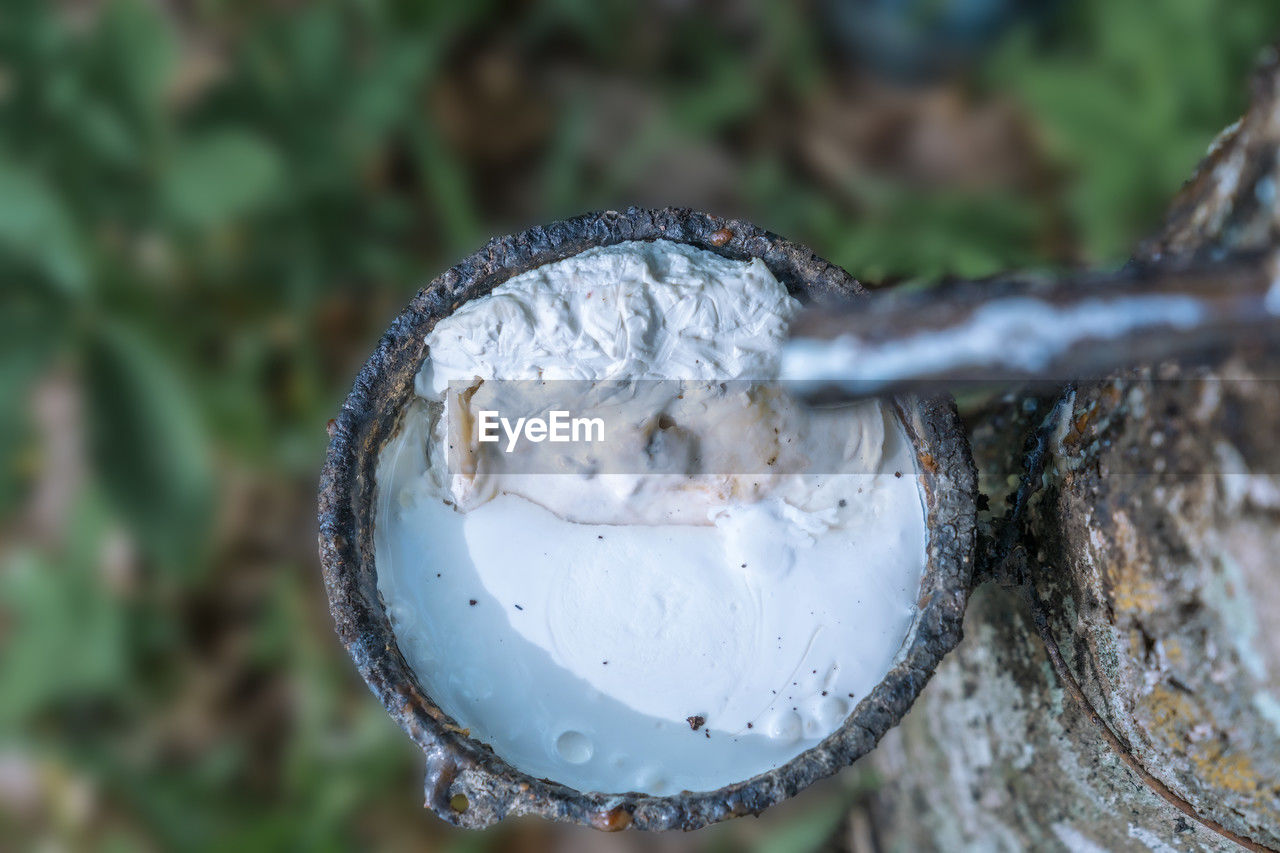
(764,599)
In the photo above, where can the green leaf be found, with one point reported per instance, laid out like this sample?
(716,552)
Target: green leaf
(221,175)
(37,228)
(29,339)
(448,187)
(67,638)
(149,447)
(1127,103)
(140,49)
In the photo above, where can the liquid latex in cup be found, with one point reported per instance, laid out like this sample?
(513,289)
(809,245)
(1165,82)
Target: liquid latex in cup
(654,628)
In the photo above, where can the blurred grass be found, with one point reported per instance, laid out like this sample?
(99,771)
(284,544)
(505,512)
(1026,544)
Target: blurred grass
(208,212)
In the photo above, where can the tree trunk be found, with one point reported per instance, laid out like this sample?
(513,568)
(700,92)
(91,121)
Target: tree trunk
(1151,550)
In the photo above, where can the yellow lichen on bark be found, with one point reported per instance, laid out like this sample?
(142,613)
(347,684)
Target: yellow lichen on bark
(1184,724)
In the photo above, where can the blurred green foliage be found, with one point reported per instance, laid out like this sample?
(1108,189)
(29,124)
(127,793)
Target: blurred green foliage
(208,211)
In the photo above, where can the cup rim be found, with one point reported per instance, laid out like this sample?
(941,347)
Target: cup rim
(469,785)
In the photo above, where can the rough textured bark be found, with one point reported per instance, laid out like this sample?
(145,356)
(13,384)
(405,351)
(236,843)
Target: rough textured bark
(1153,544)
(1158,537)
(1231,204)
(1158,584)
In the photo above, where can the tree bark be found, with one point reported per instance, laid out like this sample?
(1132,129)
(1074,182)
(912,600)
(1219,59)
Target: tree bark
(1151,551)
